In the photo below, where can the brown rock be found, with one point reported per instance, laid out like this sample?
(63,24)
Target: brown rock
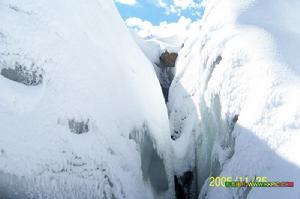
(168,59)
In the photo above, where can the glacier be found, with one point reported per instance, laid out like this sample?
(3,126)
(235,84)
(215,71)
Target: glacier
(88,111)
(72,94)
(234,101)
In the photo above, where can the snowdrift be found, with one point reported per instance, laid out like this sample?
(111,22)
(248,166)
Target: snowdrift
(234,102)
(82,114)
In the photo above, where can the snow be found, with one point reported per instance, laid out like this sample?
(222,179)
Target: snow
(240,63)
(94,75)
(97,125)
(153,49)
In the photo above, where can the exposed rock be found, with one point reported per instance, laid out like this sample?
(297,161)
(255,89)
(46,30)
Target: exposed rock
(165,71)
(32,76)
(168,59)
(78,127)
(165,76)
(183,185)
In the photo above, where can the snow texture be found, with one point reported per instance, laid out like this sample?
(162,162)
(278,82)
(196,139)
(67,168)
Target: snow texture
(82,114)
(234,102)
(153,49)
(67,115)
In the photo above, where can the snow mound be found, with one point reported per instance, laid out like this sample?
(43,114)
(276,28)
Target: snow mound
(68,135)
(234,100)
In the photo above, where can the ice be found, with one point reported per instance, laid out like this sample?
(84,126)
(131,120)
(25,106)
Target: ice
(234,92)
(68,135)
(83,115)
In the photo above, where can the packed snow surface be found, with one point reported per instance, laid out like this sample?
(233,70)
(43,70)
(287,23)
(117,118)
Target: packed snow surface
(234,102)
(82,114)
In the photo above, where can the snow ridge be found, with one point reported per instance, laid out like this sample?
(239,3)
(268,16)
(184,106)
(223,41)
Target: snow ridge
(233,99)
(69,135)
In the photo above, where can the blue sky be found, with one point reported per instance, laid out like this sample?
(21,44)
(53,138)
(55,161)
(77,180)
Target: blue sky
(157,11)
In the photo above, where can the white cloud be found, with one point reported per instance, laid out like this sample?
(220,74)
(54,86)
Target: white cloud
(127,2)
(164,29)
(143,28)
(183,4)
(177,6)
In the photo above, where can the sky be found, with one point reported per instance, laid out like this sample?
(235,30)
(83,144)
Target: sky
(150,17)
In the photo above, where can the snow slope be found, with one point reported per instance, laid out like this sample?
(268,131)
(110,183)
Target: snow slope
(234,103)
(96,126)
(156,45)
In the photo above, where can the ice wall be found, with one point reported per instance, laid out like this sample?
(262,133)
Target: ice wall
(73,87)
(233,101)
